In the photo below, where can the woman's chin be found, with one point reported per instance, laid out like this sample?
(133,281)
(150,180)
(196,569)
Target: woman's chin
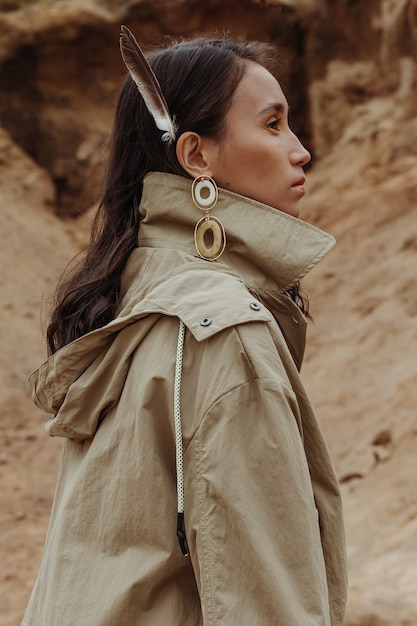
(294,211)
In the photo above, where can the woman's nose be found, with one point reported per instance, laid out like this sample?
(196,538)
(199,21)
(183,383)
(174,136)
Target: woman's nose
(306,156)
(299,155)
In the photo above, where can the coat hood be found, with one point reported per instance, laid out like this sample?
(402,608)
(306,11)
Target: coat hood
(266,252)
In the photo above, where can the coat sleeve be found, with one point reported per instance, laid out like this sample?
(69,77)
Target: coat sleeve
(251,519)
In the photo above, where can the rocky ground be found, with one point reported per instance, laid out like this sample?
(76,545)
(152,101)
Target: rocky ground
(360,367)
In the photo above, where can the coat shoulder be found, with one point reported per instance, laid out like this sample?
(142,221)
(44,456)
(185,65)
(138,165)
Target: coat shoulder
(207,299)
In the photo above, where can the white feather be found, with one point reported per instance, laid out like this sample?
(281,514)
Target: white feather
(147,83)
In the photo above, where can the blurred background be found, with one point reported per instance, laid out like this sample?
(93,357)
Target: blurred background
(349,70)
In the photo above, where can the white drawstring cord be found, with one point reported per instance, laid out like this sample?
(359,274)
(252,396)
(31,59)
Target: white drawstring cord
(178,440)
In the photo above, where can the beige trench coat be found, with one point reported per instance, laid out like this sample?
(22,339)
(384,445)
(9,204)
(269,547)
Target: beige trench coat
(262,505)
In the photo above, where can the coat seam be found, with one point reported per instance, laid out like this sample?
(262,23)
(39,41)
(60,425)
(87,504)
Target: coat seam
(206,582)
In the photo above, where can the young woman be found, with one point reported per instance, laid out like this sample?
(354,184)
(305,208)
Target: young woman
(195,486)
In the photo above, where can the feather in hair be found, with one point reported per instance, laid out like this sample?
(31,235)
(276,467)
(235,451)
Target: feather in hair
(147,83)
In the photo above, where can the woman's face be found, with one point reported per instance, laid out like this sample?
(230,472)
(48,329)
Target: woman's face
(259,156)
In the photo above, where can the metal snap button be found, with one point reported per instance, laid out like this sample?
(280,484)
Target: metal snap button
(255,306)
(206,321)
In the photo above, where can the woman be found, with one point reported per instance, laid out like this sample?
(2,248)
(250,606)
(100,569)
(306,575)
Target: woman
(174,369)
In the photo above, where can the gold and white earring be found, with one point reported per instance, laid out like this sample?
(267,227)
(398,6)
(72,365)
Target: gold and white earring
(209,234)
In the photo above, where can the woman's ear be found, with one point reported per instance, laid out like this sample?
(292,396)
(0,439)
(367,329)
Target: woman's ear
(194,153)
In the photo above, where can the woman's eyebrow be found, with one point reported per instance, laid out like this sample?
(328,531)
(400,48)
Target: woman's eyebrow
(273,107)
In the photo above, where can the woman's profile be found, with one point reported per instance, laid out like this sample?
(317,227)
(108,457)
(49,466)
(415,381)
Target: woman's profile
(195,486)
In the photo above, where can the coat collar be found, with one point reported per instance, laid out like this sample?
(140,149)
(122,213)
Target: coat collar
(269,249)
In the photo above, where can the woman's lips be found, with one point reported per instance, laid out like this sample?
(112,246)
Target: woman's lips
(299,185)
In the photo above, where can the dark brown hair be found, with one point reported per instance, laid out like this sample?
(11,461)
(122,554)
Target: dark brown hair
(198,78)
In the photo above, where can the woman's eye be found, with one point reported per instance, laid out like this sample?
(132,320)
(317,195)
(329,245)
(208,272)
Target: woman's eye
(274,127)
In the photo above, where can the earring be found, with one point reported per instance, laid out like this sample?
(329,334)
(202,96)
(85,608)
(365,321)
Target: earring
(209,234)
